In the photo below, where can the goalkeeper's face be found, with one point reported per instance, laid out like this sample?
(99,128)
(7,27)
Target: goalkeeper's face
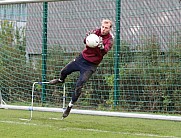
(105,28)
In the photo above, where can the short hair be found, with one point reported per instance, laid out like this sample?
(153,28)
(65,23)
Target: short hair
(107,21)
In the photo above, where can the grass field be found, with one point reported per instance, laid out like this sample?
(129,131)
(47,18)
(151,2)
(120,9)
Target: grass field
(49,125)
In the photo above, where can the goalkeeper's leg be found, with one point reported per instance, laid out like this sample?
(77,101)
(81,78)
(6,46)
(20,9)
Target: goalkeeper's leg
(68,69)
(75,97)
(82,79)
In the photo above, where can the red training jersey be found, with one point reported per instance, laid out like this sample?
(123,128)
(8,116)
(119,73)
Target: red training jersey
(95,55)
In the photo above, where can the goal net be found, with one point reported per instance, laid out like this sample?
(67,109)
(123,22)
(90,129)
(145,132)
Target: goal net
(141,74)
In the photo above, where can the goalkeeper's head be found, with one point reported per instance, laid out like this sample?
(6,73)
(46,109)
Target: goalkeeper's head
(106,26)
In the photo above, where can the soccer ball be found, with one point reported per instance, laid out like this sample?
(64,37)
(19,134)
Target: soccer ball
(92,40)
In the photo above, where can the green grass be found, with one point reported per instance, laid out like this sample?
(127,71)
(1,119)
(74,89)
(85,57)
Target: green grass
(82,126)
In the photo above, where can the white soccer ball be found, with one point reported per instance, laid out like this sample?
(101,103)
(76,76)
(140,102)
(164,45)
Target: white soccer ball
(92,40)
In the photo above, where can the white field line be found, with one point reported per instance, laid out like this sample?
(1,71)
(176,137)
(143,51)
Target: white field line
(89,130)
(123,133)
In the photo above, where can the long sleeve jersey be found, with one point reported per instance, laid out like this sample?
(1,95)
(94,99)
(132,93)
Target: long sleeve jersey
(95,55)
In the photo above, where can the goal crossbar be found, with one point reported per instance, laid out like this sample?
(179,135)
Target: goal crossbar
(3,2)
(98,113)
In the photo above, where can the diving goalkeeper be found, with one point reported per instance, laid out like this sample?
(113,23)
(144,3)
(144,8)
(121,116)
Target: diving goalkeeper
(87,62)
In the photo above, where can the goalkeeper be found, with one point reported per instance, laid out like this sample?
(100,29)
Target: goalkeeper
(87,62)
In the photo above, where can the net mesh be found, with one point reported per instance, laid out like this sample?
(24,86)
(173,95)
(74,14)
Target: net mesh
(149,63)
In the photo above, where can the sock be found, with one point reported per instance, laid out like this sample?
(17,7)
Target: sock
(70,104)
(60,80)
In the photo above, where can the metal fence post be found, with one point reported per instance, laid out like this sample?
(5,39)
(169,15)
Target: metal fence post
(44,50)
(117,54)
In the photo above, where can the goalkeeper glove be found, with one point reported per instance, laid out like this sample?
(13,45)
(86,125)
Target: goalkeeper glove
(90,32)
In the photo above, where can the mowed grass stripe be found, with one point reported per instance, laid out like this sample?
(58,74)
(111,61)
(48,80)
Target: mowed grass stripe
(83,126)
